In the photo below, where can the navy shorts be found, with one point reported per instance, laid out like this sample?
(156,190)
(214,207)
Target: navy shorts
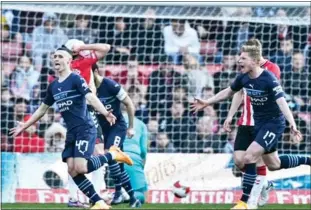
(269,133)
(80,142)
(114,135)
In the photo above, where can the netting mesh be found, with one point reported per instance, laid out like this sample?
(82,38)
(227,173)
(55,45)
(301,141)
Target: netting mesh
(163,56)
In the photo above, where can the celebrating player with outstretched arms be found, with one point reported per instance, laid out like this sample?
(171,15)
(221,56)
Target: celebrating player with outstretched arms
(270,107)
(245,134)
(70,91)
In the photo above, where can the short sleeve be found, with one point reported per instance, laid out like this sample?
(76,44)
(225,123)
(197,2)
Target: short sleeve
(81,85)
(276,89)
(237,83)
(116,89)
(49,99)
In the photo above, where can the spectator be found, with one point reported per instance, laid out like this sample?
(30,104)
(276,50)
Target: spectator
(28,141)
(204,141)
(271,34)
(197,78)
(141,112)
(10,21)
(153,128)
(207,92)
(236,33)
(210,111)
(229,146)
(179,94)
(131,76)
(55,137)
(35,100)
(161,84)
(118,36)
(46,121)
(13,114)
(23,78)
(148,40)
(163,144)
(180,39)
(9,32)
(283,57)
(297,82)
(289,145)
(46,38)
(11,48)
(6,145)
(223,79)
(82,30)
(228,72)
(178,125)
(6,109)
(47,74)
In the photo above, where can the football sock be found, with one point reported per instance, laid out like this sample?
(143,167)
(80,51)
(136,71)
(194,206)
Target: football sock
(73,189)
(248,180)
(126,182)
(291,161)
(86,187)
(257,187)
(115,173)
(95,162)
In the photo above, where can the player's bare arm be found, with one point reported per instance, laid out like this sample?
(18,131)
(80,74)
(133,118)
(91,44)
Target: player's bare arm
(131,113)
(289,117)
(235,104)
(100,49)
(200,104)
(39,113)
(95,102)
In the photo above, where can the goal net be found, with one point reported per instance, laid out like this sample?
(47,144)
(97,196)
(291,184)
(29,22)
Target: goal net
(164,55)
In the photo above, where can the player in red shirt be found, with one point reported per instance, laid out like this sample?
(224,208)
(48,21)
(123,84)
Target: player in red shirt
(84,57)
(244,137)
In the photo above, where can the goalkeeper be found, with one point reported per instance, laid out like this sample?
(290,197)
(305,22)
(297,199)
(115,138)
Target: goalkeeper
(136,148)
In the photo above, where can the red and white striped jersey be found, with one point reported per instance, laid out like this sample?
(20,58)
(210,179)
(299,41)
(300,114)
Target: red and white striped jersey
(247,113)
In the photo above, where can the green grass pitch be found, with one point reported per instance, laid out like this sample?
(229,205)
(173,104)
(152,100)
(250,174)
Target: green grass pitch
(153,206)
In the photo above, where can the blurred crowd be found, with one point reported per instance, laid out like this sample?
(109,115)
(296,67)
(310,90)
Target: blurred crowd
(162,63)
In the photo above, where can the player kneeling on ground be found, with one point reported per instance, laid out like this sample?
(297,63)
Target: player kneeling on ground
(111,94)
(70,92)
(136,148)
(270,107)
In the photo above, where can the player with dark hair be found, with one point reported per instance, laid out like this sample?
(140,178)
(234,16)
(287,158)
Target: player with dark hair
(70,92)
(245,132)
(111,94)
(84,56)
(270,107)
